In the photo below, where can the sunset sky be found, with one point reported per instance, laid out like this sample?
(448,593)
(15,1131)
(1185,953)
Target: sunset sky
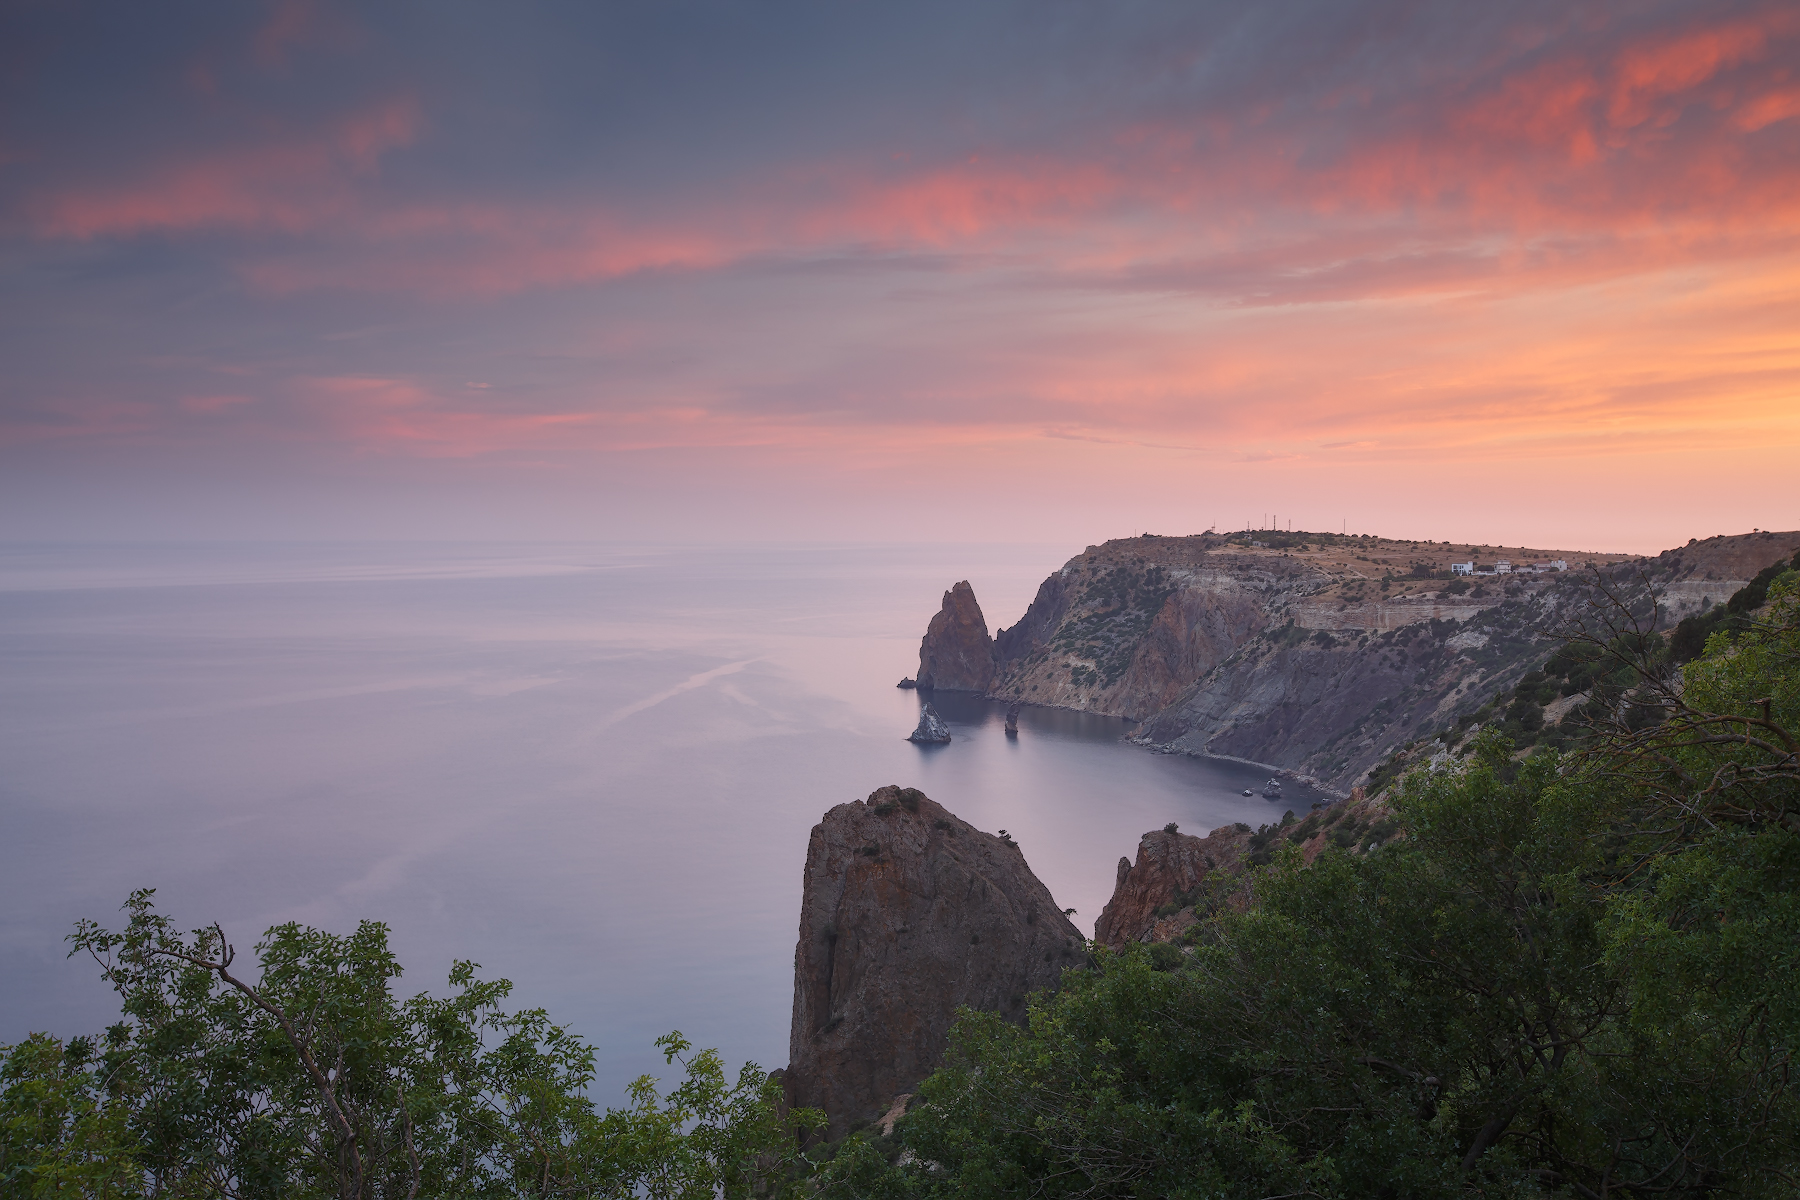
(965,271)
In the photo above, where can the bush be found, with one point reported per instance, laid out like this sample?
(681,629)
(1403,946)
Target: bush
(1165,957)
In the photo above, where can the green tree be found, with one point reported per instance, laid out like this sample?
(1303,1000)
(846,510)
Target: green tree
(62,1131)
(313,1079)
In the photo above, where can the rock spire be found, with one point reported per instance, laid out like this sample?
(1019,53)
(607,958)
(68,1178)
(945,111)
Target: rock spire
(956,654)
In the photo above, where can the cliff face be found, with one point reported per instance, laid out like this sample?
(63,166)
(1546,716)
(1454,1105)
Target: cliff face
(1176,876)
(1169,870)
(1317,653)
(956,653)
(907,913)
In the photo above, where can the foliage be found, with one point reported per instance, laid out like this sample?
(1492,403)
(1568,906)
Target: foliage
(62,1132)
(1577,976)
(315,1080)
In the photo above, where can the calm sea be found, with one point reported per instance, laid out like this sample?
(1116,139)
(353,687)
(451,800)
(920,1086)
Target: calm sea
(591,769)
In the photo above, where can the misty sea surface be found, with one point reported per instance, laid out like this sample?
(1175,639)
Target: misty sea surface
(592,769)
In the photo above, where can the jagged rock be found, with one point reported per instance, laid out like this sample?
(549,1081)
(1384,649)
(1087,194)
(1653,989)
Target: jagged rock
(1174,868)
(1169,867)
(956,654)
(931,731)
(907,682)
(1012,721)
(907,913)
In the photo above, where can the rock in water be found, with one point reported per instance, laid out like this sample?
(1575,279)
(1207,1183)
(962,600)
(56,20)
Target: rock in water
(956,654)
(908,912)
(1012,721)
(932,730)
(1169,867)
(907,683)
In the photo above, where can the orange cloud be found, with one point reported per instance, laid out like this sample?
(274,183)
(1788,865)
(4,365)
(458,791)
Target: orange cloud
(1664,67)
(1776,105)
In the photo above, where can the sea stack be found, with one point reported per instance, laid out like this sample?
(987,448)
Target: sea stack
(956,654)
(906,914)
(931,731)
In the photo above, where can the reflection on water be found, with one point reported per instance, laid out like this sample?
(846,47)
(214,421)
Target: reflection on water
(591,769)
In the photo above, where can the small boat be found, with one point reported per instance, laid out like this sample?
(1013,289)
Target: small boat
(1248,792)
(1272,790)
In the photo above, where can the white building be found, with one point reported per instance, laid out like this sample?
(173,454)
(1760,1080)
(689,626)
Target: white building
(1558,564)
(1503,567)
(1467,568)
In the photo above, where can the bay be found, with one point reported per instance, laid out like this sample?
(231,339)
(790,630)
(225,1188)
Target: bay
(590,768)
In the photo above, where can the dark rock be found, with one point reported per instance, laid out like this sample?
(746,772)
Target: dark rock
(907,913)
(906,683)
(931,731)
(1012,721)
(956,654)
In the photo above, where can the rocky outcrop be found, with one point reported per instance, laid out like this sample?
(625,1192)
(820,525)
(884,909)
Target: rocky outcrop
(1169,872)
(932,730)
(957,655)
(1176,878)
(908,912)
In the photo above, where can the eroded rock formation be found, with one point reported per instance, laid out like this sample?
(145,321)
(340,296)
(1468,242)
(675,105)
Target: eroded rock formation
(907,913)
(1176,876)
(1169,870)
(956,654)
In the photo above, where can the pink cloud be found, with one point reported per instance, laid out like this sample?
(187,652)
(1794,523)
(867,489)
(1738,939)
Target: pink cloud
(287,185)
(208,405)
(1576,146)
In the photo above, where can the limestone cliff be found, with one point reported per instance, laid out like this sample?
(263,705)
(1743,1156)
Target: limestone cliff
(1317,653)
(956,654)
(908,912)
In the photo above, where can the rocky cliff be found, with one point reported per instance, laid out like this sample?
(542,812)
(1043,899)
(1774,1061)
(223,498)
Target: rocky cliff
(1317,653)
(1178,879)
(908,912)
(956,654)
(1170,870)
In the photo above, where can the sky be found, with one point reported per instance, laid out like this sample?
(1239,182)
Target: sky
(1051,272)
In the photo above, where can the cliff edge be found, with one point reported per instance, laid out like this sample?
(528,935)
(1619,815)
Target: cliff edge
(908,913)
